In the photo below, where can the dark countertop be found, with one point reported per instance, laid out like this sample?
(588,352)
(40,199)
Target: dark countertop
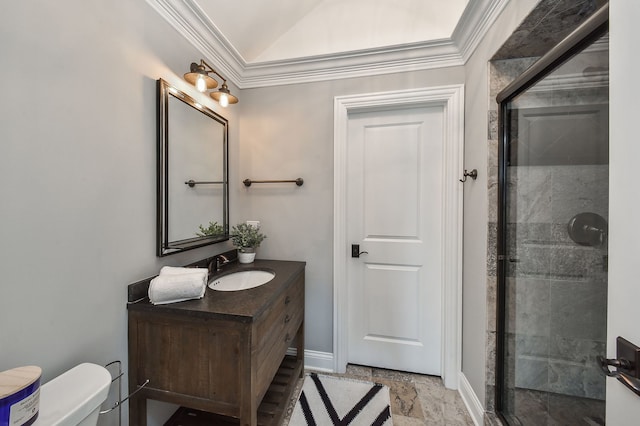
(243,305)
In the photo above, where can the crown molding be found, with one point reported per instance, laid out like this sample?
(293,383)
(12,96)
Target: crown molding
(474,23)
(186,17)
(360,63)
(192,23)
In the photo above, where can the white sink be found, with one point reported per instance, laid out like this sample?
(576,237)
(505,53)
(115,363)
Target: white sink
(241,280)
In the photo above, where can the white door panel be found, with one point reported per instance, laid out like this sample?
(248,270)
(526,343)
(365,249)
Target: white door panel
(394,191)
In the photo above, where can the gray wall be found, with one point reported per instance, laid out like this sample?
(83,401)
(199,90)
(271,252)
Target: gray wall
(77,174)
(287,132)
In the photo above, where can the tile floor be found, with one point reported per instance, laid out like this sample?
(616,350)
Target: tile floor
(416,399)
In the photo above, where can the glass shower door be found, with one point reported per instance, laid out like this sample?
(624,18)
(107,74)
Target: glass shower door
(554,236)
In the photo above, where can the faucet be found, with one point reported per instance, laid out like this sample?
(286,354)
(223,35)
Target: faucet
(221,260)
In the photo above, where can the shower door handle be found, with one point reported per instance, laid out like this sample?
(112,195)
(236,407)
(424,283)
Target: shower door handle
(627,365)
(630,382)
(620,374)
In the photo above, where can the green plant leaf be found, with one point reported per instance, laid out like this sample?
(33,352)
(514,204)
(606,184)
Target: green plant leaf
(245,236)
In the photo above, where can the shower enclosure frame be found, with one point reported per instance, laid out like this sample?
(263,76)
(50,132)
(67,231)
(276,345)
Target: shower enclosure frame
(589,31)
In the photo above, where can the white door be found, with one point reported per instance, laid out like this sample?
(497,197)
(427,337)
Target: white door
(394,198)
(623,406)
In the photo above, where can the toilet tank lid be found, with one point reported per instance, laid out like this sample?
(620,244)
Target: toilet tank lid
(73,395)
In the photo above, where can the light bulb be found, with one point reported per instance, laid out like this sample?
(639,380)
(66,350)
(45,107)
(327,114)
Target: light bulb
(201,83)
(224,100)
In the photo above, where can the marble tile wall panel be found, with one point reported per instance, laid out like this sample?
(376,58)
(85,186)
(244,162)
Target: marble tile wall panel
(554,194)
(492,252)
(492,294)
(578,310)
(503,72)
(561,328)
(532,373)
(531,300)
(578,189)
(549,22)
(575,262)
(492,181)
(567,378)
(574,369)
(529,191)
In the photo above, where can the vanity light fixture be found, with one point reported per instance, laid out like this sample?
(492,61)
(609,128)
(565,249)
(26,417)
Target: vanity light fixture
(224,96)
(200,78)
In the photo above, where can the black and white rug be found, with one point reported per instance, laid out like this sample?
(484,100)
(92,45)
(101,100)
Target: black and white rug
(328,400)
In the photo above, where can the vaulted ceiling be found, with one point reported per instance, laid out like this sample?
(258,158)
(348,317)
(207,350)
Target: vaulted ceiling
(263,43)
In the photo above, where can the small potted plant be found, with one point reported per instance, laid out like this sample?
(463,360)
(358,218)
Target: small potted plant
(246,238)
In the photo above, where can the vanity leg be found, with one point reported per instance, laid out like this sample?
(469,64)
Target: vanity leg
(138,411)
(250,418)
(300,347)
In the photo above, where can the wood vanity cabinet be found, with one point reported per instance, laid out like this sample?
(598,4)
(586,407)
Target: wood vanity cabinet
(221,354)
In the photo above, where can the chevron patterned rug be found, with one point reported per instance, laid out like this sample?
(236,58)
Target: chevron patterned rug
(328,400)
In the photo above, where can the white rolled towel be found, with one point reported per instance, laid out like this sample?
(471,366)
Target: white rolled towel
(178,270)
(178,284)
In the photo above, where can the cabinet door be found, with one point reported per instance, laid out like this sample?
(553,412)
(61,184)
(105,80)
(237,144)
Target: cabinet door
(198,359)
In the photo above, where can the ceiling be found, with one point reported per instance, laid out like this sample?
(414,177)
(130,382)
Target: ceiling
(262,43)
(284,29)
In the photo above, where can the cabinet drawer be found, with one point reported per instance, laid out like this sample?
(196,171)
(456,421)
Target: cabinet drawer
(276,333)
(286,311)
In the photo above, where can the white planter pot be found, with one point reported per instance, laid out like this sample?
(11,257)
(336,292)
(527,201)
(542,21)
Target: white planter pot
(246,256)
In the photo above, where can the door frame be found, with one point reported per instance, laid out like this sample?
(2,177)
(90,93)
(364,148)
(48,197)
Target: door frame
(451,99)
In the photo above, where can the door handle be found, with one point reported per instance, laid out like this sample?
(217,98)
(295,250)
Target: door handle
(627,364)
(355,250)
(620,374)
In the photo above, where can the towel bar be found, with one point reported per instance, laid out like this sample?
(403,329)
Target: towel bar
(193,183)
(248,182)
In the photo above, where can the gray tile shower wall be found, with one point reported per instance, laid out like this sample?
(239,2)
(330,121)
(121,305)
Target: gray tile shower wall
(548,23)
(502,73)
(557,288)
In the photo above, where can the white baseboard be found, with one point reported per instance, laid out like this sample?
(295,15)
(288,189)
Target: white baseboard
(470,399)
(314,360)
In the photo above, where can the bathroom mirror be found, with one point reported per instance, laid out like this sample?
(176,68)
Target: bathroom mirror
(193,194)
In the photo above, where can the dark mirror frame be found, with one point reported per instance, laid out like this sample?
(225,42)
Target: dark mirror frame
(164,246)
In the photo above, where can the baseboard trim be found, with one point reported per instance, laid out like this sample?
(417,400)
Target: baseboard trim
(470,399)
(315,360)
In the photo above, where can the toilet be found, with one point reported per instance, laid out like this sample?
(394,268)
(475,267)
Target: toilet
(74,397)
